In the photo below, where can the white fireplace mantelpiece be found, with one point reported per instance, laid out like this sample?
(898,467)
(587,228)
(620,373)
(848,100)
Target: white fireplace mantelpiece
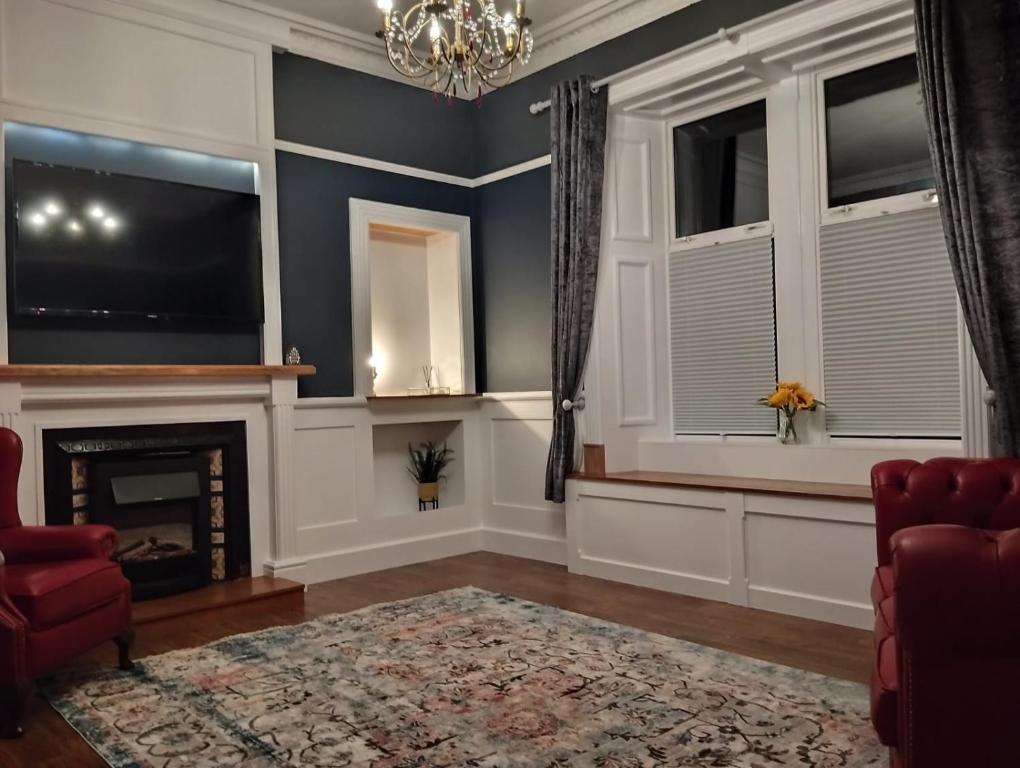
(34,398)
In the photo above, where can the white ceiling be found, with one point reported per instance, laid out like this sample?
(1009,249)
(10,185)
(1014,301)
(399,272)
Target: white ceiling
(363,15)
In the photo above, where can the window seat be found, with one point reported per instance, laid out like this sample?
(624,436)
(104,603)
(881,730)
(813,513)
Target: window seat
(724,483)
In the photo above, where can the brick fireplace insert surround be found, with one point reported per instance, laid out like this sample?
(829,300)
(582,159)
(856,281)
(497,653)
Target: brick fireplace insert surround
(177,494)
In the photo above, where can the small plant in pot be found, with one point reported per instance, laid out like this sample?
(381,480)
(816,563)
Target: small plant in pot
(428,462)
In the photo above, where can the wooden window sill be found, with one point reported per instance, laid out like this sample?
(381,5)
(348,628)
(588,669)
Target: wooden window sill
(724,483)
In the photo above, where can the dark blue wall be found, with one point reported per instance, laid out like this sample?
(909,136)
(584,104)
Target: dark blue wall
(315,255)
(512,229)
(326,106)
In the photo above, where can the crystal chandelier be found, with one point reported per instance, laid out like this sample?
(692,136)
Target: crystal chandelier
(458,47)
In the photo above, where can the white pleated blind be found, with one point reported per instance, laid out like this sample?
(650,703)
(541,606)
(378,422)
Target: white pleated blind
(889,327)
(723,331)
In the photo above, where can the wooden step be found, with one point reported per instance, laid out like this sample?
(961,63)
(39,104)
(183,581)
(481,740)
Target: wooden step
(214,597)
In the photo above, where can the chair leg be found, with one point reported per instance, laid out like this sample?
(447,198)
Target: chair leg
(124,642)
(13,702)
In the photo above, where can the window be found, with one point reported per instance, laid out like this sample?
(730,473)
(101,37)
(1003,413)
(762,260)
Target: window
(889,328)
(721,165)
(723,338)
(722,290)
(890,331)
(876,135)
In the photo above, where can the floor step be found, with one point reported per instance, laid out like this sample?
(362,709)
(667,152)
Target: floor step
(213,597)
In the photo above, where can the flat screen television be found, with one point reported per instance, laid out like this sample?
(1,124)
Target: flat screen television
(91,243)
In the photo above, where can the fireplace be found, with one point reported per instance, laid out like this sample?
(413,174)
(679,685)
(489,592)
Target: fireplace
(160,507)
(176,493)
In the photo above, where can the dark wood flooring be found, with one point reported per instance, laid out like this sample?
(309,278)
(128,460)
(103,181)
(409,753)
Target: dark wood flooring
(824,648)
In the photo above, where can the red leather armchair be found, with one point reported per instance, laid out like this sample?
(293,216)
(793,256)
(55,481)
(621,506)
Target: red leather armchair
(60,594)
(945,690)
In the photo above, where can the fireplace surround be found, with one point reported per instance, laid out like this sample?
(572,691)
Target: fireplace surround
(177,494)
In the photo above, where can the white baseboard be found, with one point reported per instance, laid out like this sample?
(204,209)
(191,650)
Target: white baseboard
(654,578)
(532,546)
(379,557)
(811,607)
(295,570)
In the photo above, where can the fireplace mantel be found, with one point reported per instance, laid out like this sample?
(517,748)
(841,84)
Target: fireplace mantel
(35,372)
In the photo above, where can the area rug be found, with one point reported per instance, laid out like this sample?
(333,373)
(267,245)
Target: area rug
(464,678)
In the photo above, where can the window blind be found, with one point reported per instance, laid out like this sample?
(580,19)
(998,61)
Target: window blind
(889,328)
(723,338)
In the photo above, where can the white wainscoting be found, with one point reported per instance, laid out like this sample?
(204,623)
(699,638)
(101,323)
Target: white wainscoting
(517,519)
(106,62)
(790,554)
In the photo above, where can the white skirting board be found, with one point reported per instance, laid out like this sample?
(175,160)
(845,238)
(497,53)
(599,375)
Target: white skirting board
(378,557)
(531,546)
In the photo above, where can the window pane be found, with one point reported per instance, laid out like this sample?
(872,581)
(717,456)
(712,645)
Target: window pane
(877,136)
(890,328)
(723,338)
(722,171)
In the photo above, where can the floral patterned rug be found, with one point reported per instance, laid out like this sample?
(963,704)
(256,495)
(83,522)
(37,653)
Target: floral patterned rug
(464,678)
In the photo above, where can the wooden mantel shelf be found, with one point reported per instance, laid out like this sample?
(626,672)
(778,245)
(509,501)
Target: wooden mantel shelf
(723,483)
(18,372)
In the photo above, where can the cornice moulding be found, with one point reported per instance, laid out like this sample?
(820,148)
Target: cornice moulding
(587,26)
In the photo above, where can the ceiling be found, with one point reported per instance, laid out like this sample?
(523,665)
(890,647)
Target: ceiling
(363,15)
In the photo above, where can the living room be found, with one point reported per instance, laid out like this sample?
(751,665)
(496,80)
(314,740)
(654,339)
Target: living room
(508,383)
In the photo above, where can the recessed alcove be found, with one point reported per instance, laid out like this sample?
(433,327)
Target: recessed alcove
(396,493)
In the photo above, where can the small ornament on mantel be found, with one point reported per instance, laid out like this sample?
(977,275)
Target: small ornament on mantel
(293,356)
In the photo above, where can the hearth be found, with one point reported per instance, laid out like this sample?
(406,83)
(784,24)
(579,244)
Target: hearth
(176,493)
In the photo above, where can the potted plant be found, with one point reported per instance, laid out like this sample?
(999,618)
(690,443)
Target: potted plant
(427,464)
(790,398)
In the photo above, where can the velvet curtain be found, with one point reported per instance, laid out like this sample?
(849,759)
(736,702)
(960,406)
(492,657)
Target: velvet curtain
(579,117)
(969,60)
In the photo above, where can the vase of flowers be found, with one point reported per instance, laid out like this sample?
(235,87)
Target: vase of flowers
(790,398)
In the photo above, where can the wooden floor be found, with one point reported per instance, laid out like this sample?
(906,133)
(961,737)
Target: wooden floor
(823,648)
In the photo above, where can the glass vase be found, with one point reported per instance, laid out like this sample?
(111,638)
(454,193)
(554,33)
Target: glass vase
(786,433)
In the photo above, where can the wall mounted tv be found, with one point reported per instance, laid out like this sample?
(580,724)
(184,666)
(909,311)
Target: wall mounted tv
(96,244)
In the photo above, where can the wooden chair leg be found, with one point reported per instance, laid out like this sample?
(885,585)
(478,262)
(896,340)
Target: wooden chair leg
(13,702)
(124,642)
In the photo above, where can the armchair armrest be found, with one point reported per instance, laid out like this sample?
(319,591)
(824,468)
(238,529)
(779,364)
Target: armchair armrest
(957,591)
(13,629)
(33,544)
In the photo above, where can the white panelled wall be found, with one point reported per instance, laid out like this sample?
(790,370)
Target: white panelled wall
(798,554)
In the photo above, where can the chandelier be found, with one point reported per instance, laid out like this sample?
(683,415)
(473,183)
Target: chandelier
(458,47)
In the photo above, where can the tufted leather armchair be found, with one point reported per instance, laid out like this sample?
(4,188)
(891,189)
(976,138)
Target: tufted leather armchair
(945,688)
(60,594)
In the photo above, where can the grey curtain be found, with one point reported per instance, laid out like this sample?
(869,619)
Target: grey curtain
(578,161)
(969,61)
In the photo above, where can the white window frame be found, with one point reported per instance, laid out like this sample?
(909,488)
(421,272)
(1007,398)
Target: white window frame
(827,215)
(729,234)
(677,245)
(911,201)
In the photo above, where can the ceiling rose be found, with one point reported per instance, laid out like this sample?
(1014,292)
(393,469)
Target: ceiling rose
(457,47)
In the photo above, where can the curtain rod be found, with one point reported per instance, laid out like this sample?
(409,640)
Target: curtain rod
(541,106)
(724,35)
